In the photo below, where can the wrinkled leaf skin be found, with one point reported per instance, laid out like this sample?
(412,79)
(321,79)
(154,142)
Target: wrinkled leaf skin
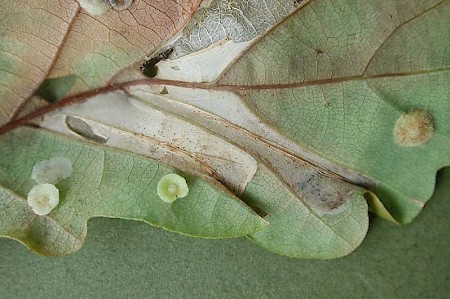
(286,108)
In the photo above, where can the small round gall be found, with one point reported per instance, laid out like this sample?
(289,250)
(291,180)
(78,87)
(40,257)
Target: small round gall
(171,187)
(52,171)
(43,199)
(413,128)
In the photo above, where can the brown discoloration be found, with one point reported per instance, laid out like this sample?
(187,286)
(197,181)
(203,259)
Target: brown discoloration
(122,37)
(120,4)
(318,193)
(29,48)
(413,128)
(322,191)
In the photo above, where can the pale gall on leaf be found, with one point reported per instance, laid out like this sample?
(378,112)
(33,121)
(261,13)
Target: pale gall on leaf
(43,199)
(52,171)
(172,187)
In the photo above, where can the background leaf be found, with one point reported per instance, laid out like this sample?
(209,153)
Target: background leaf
(125,258)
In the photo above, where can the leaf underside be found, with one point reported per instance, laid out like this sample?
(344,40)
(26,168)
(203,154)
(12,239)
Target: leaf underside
(286,109)
(107,183)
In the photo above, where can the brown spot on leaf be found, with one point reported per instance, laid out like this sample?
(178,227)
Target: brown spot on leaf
(413,128)
(120,4)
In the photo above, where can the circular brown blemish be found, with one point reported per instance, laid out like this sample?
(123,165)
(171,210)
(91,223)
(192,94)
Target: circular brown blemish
(413,128)
(120,4)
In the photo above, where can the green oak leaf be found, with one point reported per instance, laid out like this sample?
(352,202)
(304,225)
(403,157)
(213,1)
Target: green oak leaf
(106,183)
(299,110)
(343,97)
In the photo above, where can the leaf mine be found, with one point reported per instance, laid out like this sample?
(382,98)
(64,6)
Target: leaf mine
(134,126)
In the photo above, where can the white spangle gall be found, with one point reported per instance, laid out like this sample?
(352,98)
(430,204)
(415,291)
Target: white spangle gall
(52,171)
(43,199)
(171,187)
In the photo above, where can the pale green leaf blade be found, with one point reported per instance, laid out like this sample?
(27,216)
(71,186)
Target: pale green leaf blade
(334,78)
(312,213)
(290,106)
(418,45)
(337,40)
(296,230)
(106,183)
(172,129)
(353,125)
